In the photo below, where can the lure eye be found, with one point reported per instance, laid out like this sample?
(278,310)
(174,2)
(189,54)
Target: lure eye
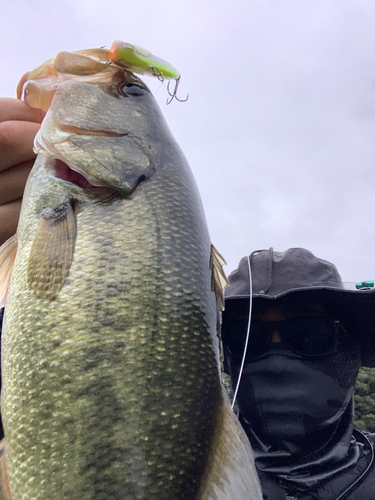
(132,89)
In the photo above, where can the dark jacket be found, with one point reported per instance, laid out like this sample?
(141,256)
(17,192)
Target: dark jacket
(355,483)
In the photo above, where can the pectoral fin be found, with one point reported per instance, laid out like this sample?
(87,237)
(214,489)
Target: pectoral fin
(52,251)
(8,253)
(219,280)
(230,472)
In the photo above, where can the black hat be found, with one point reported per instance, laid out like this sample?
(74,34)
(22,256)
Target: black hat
(297,276)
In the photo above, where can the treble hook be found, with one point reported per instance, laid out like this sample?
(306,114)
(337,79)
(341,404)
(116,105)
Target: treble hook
(173,95)
(156,72)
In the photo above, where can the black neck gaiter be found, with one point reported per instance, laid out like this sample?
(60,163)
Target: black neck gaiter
(298,413)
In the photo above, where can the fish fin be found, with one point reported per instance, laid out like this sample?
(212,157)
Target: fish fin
(230,471)
(219,280)
(8,253)
(52,251)
(4,483)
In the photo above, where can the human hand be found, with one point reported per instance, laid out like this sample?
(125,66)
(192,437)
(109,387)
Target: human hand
(18,126)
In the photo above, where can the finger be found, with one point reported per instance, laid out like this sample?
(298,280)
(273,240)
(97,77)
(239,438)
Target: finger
(14,109)
(21,83)
(9,215)
(16,142)
(13,181)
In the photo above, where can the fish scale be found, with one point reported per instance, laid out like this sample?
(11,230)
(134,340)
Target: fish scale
(110,355)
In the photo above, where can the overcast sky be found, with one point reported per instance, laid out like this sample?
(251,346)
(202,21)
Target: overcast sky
(280,126)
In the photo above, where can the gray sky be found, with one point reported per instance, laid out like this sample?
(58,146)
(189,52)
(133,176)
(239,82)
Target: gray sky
(280,125)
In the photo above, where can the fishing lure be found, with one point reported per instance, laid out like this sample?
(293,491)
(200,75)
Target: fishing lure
(141,61)
(94,65)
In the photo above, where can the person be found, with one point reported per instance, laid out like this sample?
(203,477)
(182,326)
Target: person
(18,126)
(308,337)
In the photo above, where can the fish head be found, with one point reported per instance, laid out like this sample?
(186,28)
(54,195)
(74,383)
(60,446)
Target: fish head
(105,126)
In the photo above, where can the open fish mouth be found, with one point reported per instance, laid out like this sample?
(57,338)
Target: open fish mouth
(62,172)
(66,172)
(74,178)
(79,165)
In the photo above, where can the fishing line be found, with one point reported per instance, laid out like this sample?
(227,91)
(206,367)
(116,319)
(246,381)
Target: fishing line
(162,84)
(243,245)
(221,169)
(245,252)
(247,332)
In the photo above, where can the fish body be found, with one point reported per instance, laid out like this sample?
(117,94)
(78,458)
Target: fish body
(111,386)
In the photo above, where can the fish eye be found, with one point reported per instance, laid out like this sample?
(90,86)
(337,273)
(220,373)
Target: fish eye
(132,89)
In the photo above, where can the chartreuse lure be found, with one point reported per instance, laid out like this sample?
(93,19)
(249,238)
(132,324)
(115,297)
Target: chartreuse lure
(141,61)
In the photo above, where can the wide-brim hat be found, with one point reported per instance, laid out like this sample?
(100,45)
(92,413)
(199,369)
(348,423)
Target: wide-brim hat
(296,276)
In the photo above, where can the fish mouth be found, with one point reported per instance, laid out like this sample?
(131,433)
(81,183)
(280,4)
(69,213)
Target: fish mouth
(74,166)
(65,174)
(64,171)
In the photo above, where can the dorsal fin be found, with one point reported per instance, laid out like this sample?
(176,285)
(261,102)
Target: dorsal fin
(219,281)
(8,251)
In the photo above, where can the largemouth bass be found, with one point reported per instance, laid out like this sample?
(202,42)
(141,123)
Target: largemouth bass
(110,353)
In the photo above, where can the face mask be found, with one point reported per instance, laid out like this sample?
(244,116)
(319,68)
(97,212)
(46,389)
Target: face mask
(292,405)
